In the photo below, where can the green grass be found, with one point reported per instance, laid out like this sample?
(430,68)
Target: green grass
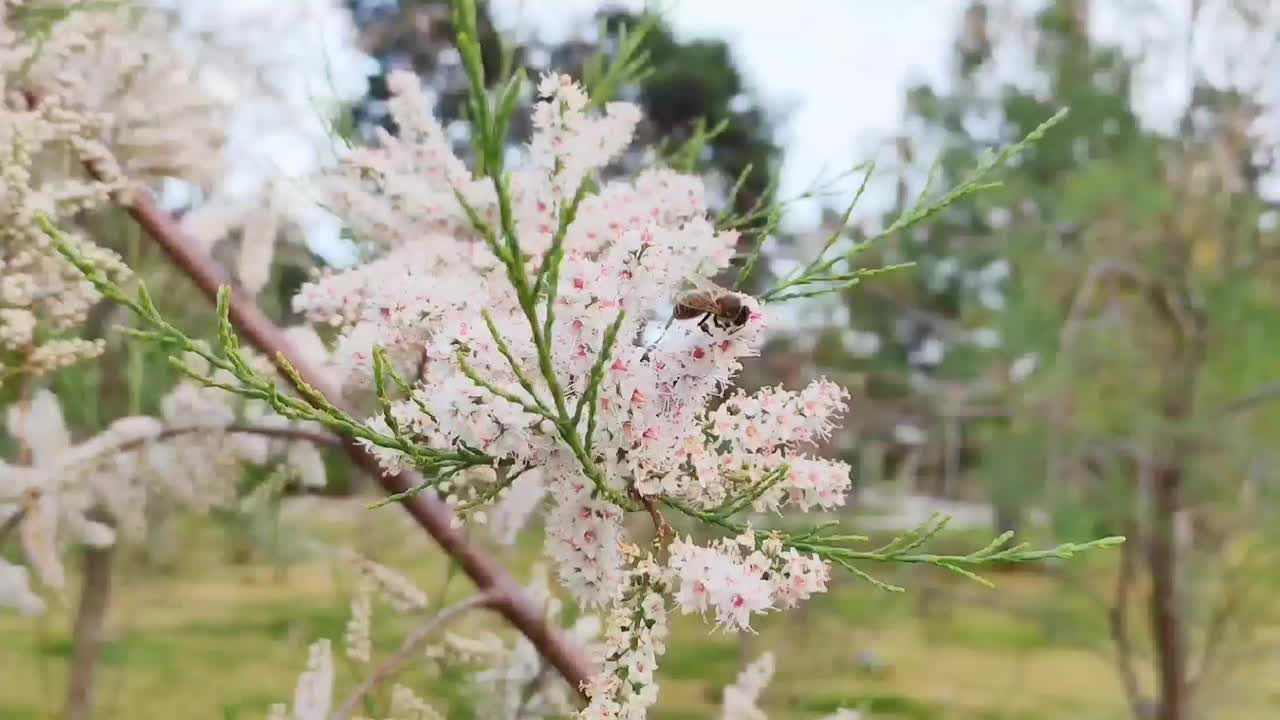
(215,640)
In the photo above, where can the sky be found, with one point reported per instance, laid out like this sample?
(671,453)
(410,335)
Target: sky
(833,71)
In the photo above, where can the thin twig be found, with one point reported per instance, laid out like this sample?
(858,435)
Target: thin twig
(1248,402)
(410,649)
(530,689)
(1118,619)
(1227,610)
(315,437)
(660,525)
(284,433)
(88,634)
(11,522)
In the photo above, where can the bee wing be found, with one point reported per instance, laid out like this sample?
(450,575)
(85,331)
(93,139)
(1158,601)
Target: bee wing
(701,282)
(702,300)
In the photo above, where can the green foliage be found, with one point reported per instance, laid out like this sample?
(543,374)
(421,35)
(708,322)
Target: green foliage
(827,542)
(822,273)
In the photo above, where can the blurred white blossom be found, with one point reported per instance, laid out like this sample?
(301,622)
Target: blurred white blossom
(985,338)
(742,697)
(909,434)
(15,587)
(860,344)
(1023,367)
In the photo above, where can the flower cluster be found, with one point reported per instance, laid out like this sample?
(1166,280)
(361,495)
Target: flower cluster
(732,579)
(97,102)
(41,295)
(395,589)
(93,491)
(635,637)
(528,315)
(313,695)
(54,493)
(358,640)
(124,66)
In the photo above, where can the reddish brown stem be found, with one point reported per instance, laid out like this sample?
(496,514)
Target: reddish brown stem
(87,636)
(1118,617)
(509,599)
(314,437)
(660,525)
(1168,626)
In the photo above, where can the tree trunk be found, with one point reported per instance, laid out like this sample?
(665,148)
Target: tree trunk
(1167,618)
(1167,615)
(160,552)
(87,637)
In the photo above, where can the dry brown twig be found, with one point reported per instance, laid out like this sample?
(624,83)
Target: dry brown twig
(409,650)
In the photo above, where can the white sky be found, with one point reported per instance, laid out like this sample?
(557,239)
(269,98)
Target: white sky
(832,71)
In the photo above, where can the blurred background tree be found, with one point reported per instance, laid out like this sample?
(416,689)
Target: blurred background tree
(693,85)
(1098,338)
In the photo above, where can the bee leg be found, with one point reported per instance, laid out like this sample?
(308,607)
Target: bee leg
(703,323)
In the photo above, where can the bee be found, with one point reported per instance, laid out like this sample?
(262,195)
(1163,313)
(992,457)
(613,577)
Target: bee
(724,308)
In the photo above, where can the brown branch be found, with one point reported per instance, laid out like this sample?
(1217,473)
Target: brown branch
(660,525)
(509,599)
(1088,290)
(1248,402)
(282,433)
(11,523)
(1226,612)
(409,650)
(87,635)
(1118,619)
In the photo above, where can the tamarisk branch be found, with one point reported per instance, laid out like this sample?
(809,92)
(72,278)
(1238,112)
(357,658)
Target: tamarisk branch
(505,595)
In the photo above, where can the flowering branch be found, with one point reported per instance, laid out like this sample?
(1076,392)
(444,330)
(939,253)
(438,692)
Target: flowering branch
(244,316)
(410,650)
(903,549)
(820,276)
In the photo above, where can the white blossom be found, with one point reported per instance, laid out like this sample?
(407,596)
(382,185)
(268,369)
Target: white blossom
(742,697)
(15,588)
(359,644)
(397,590)
(313,695)
(438,299)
